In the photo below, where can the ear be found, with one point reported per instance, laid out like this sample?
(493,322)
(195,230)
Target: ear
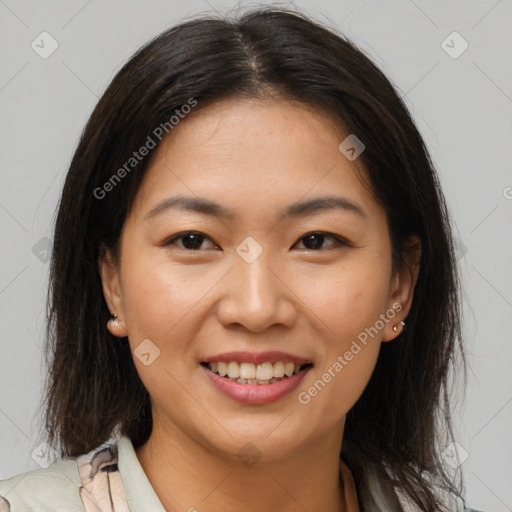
(402,287)
(110,279)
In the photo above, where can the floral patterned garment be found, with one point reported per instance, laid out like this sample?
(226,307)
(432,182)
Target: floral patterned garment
(102,487)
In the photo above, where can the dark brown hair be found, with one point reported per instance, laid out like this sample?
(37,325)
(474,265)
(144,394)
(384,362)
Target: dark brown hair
(402,420)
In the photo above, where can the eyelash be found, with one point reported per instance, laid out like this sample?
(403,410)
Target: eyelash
(339,241)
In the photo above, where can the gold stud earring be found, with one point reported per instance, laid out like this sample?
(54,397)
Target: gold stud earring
(395,327)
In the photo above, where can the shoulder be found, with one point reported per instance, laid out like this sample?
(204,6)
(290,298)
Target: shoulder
(60,486)
(54,488)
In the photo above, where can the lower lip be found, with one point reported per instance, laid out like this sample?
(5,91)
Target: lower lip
(255,393)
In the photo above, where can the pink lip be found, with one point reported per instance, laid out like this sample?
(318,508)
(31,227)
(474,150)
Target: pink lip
(257,357)
(255,393)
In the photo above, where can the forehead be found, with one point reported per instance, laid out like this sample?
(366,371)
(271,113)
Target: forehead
(252,156)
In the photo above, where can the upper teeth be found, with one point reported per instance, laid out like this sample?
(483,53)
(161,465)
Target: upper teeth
(264,371)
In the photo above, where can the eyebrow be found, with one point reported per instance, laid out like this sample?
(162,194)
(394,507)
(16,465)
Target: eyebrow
(298,209)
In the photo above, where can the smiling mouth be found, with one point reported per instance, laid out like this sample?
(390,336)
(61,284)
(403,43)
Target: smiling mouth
(250,373)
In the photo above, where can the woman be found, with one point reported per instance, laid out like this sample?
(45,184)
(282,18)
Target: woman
(253,286)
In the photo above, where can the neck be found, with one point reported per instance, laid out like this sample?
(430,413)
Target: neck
(187,475)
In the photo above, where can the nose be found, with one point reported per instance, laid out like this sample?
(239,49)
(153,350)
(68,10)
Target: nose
(257,296)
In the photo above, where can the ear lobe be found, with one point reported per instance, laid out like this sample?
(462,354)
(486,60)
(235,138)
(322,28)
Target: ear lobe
(402,289)
(109,275)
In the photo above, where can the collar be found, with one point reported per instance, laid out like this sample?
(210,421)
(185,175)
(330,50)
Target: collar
(141,497)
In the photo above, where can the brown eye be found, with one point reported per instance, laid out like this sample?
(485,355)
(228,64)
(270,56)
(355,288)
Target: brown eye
(190,240)
(314,241)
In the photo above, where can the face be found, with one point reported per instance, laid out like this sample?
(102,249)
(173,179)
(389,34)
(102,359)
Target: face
(267,277)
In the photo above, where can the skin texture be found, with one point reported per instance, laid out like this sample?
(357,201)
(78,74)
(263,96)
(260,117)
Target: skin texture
(256,158)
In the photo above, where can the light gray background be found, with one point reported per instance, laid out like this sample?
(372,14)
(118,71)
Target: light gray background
(463,108)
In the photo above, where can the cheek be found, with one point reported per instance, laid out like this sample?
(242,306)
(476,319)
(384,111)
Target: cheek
(158,294)
(159,302)
(338,381)
(349,308)
(349,299)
